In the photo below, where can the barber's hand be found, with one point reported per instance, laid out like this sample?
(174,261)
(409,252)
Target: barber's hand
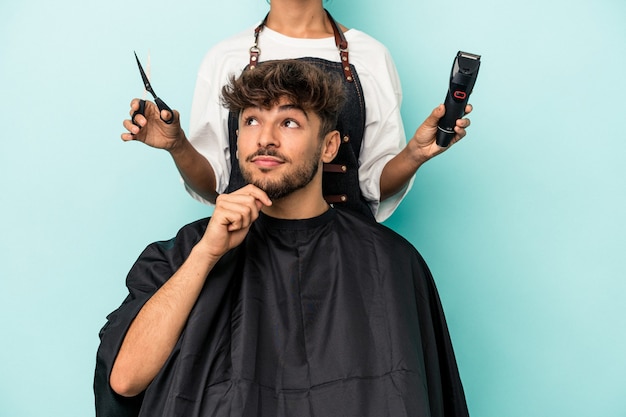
(152,130)
(423,144)
(233,215)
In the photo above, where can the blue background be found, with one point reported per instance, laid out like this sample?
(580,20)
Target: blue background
(522,223)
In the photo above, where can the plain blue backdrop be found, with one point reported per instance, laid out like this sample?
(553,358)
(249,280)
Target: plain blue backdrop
(522,223)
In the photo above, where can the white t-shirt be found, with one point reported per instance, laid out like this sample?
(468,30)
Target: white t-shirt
(384,133)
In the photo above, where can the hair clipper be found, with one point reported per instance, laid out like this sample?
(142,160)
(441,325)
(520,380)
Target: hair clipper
(462,80)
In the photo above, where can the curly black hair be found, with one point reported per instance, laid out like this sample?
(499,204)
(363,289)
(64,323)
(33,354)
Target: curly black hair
(303,84)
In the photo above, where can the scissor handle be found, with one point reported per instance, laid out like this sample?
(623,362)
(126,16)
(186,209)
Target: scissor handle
(162,106)
(141,110)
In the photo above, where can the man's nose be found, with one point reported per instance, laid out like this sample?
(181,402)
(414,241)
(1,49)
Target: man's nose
(268,136)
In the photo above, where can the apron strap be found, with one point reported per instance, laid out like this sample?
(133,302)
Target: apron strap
(255,51)
(340,42)
(342,45)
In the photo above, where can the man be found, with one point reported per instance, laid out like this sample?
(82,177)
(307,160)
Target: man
(279,305)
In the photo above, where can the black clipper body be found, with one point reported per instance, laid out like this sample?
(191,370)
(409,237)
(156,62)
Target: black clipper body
(462,80)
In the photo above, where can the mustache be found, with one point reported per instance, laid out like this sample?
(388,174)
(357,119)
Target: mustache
(267,152)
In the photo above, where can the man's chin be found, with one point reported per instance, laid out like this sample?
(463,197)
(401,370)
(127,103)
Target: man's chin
(274,190)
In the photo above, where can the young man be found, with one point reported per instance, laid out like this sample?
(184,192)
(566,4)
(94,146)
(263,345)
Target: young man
(279,305)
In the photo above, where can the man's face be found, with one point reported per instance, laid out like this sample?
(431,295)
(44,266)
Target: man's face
(279,148)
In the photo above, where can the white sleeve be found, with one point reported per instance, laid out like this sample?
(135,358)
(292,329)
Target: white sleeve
(208,125)
(384,135)
(206,136)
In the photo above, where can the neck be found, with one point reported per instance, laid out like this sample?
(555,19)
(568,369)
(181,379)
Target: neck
(289,210)
(299,18)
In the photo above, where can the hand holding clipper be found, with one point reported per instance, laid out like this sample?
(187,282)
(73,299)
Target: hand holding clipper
(462,80)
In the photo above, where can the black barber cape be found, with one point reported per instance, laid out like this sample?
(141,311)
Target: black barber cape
(330,316)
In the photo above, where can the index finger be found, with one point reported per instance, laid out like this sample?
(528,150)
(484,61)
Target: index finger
(259,195)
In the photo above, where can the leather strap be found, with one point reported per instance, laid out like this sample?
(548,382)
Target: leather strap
(342,45)
(255,51)
(337,168)
(340,42)
(336,198)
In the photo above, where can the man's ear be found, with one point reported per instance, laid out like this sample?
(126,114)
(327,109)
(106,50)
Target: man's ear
(332,140)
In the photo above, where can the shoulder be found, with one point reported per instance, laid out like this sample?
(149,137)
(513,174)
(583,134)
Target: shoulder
(373,242)
(365,231)
(360,41)
(373,62)
(160,259)
(192,232)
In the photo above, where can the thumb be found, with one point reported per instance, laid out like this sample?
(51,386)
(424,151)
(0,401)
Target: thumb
(435,115)
(430,123)
(169,116)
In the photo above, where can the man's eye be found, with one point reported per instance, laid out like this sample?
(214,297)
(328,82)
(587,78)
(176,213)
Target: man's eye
(251,121)
(292,124)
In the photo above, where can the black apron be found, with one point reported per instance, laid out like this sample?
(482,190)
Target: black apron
(340,180)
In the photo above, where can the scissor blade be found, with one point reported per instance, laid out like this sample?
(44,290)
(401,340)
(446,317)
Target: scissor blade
(144,77)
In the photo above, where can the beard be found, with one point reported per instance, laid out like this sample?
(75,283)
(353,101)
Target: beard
(292,181)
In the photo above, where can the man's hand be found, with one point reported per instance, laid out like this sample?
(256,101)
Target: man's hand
(423,144)
(152,130)
(231,220)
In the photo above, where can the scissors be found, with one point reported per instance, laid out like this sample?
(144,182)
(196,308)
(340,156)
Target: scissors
(142,103)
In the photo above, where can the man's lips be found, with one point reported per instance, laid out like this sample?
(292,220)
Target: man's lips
(266,161)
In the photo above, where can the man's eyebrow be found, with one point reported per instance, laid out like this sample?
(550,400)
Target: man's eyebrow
(287,107)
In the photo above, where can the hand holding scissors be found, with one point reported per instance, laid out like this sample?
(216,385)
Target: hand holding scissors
(163,133)
(142,103)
